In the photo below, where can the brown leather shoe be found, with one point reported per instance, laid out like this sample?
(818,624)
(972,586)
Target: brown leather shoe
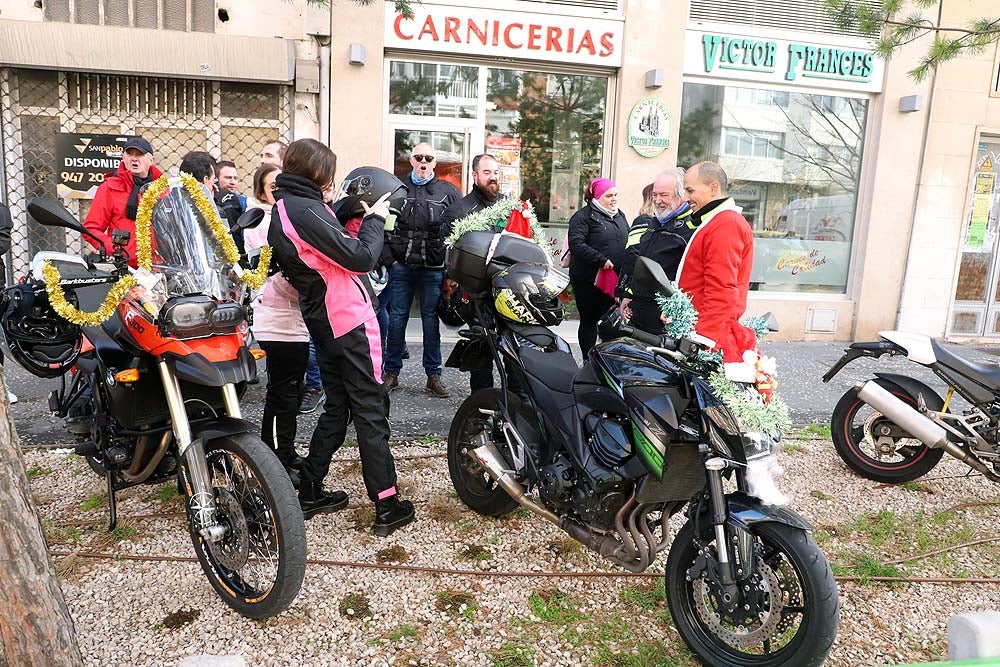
(390,381)
(435,385)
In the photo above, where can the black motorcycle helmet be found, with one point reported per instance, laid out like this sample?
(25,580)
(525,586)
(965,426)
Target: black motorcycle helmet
(450,308)
(528,293)
(368,184)
(43,343)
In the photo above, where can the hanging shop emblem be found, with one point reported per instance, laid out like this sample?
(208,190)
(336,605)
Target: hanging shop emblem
(649,127)
(84,160)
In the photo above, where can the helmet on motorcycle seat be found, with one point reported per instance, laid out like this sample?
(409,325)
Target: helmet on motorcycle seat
(43,343)
(368,184)
(528,293)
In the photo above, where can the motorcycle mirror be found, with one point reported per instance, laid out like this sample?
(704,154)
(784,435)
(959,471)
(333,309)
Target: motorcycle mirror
(650,275)
(770,321)
(51,213)
(250,218)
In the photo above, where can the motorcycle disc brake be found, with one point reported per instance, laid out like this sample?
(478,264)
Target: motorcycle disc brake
(742,636)
(232,550)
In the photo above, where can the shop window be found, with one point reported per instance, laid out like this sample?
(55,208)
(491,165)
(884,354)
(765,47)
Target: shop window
(794,162)
(426,89)
(752,143)
(547,132)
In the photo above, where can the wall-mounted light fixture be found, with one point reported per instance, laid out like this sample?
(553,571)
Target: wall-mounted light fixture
(911,103)
(356,54)
(654,78)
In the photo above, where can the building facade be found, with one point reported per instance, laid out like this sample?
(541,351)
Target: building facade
(77,77)
(872,197)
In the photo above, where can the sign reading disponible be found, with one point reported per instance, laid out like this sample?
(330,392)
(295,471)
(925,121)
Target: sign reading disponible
(491,32)
(84,160)
(733,56)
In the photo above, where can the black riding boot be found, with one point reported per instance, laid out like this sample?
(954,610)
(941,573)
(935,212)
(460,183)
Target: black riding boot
(390,514)
(314,500)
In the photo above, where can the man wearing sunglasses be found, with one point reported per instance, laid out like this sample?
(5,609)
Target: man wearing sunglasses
(418,251)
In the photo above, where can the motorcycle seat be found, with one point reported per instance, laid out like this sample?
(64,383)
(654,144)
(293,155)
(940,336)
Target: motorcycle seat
(555,370)
(985,374)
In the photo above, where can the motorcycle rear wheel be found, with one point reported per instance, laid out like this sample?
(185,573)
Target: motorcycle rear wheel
(853,439)
(474,486)
(258,567)
(796,627)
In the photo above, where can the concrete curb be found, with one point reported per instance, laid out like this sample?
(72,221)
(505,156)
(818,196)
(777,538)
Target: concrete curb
(975,635)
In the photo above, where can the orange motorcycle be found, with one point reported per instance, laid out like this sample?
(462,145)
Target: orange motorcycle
(152,393)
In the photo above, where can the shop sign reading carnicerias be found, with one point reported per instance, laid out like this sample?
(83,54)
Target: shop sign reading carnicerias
(491,32)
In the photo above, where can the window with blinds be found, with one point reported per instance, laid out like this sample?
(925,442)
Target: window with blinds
(186,15)
(798,15)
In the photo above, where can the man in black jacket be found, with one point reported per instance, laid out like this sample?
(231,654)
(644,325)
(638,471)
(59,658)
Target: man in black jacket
(418,251)
(662,237)
(485,192)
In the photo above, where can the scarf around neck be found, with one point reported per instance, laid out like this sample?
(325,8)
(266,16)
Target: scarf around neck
(608,212)
(416,180)
(132,206)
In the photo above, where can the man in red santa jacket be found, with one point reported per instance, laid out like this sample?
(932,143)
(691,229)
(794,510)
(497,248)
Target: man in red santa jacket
(715,268)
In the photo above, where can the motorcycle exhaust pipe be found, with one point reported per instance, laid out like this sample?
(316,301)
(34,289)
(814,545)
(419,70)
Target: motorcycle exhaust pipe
(907,418)
(490,459)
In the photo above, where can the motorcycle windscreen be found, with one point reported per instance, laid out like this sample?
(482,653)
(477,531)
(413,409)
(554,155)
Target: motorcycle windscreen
(184,253)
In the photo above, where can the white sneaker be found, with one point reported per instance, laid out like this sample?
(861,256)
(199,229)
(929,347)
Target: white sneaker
(11,397)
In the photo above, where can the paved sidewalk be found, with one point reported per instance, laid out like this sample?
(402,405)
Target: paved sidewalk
(415,412)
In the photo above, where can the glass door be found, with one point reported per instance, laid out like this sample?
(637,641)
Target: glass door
(977,294)
(452,147)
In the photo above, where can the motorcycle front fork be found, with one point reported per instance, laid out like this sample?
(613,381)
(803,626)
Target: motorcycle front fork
(192,451)
(733,547)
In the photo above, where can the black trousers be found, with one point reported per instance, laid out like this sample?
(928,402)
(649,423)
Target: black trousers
(351,368)
(592,303)
(286,367)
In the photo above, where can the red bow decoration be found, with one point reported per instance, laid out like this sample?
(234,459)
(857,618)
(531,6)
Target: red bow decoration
(518,223)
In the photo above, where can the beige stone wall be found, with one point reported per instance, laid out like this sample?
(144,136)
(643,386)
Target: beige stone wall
(357,117)
(659,27)
(962,108)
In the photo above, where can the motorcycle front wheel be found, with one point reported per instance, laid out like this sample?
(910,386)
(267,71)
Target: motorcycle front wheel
(472,483)
(794,606)
(258,566)
(873,446)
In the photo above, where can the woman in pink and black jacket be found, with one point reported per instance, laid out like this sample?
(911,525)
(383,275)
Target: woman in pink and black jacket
(327,265)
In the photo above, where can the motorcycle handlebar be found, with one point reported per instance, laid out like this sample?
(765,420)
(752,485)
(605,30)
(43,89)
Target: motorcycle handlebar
(665,342)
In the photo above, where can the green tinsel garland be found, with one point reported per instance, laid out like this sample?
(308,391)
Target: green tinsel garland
(495,217)
(749,406)
(681,315)
(759,325)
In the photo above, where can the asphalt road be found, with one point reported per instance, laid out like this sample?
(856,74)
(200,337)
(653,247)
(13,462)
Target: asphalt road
(416,413)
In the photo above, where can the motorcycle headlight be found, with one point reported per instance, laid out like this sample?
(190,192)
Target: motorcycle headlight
(758,445)
(190,317)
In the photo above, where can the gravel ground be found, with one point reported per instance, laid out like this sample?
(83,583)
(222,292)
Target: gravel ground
(138,613)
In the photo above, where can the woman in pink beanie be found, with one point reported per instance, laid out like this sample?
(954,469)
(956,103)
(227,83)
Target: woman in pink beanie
(597,235)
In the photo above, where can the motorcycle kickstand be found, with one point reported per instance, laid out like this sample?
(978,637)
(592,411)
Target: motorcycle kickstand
(112,502)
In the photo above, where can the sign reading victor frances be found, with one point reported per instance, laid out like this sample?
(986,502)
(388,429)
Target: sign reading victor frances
(649,127)
(84,161)
(491,32)
(745,58)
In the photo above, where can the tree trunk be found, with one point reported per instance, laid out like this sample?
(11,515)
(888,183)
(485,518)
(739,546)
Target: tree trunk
(35,626)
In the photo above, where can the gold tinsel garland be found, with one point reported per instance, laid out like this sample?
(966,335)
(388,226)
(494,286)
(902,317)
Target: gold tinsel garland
(66,310)
(144,253)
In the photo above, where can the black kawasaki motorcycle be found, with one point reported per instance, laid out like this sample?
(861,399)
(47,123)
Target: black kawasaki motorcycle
(610,451)
(895,429)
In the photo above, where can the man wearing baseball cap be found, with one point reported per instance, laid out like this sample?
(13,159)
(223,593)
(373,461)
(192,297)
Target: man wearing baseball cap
(117,199)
